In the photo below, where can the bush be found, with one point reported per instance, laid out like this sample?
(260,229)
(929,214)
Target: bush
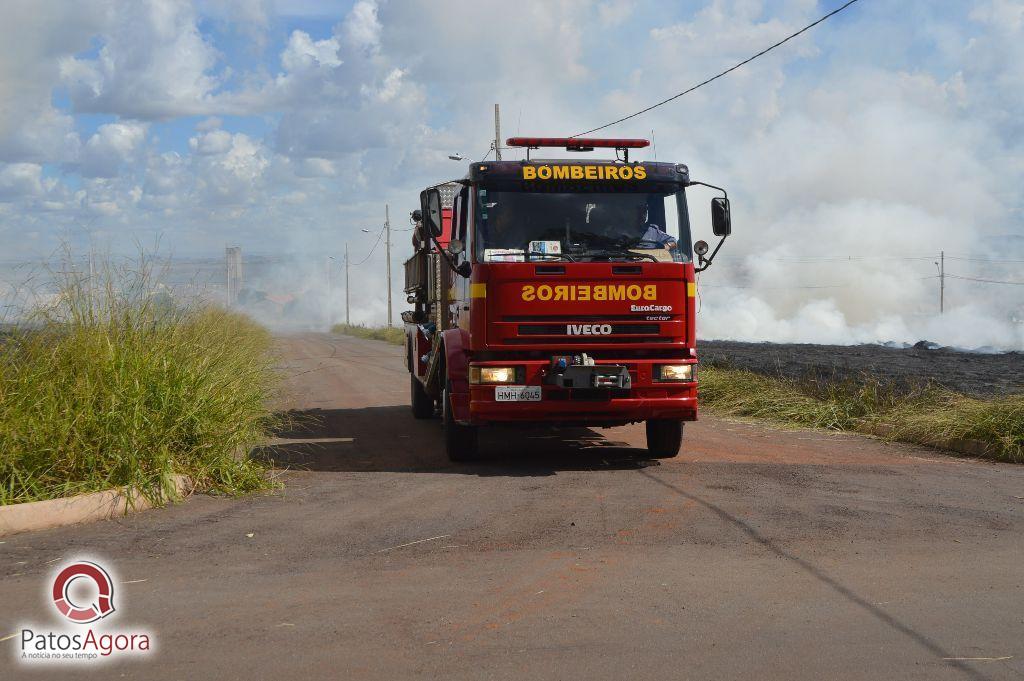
(117,383)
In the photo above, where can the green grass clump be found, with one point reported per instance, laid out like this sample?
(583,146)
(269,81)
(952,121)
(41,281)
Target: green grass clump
(734,392)
(997,422)
(928,415)
(389,334)
(117,384)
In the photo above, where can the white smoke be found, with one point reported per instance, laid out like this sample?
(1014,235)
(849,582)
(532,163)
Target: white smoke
(849,188)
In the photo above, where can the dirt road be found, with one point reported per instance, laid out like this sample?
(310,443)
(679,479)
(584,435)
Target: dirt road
(757,553)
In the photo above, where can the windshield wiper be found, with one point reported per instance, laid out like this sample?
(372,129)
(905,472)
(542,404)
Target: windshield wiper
(563,256)
(618,252)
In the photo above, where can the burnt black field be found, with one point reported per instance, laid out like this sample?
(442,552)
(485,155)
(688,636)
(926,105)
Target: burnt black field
(977,374)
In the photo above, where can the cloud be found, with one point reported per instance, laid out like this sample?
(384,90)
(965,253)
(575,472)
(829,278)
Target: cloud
(361,28)
(230,177)
(211,142)
(302,52)
(153,64)
(34,36)
(20,180)
(111,147)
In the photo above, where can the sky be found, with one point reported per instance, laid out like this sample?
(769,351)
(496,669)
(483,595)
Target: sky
(853,155)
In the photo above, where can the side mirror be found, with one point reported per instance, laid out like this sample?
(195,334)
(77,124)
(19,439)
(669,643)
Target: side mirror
(721,223)
(455,247)
(416,215)
(430,200)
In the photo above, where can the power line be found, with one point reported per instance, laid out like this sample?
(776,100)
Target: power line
(812,259)
(775,288)
(375,244)
(985,260)
(986,281)
(716,77)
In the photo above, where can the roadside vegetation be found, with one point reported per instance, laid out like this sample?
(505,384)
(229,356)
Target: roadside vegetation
(394,334)
(116,383)
(925,414)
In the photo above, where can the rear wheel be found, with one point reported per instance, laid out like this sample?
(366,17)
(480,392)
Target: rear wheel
(422,403)
(664,438)
(460,442)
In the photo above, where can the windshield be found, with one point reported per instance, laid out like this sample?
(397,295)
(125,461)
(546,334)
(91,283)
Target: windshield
(517,226)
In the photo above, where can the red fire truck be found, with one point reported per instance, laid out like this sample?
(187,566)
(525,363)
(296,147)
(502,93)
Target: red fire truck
(557,292)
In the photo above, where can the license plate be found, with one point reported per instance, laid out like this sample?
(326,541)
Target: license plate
(517,393)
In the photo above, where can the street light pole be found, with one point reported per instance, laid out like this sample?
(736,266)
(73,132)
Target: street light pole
(347,323)
(940,265)
(387,248)
(942,282)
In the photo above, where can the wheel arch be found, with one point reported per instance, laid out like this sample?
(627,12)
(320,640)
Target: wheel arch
(455,357)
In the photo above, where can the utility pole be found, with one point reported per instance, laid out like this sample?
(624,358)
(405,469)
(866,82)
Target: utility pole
(387,251)
(347,323)
(942,282)
(497,133)
(329,299)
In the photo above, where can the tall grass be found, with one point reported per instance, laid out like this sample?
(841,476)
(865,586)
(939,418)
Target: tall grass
(116,383)
(997,423)
(389,334)
(928,415)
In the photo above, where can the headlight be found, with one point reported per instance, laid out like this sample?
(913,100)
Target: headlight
(492,374)
(674,372)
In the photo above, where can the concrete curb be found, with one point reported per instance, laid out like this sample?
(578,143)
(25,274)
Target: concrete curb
(84,508)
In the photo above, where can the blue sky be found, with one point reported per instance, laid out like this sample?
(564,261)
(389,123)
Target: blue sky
(286,126)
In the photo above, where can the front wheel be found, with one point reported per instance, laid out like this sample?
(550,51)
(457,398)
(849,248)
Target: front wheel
(664,438)
(422,403)
(460,442)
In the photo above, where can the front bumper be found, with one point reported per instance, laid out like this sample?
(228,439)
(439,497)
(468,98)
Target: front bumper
(644,399)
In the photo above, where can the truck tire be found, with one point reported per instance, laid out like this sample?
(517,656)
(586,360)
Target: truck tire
(460,442)
(422,403)
(664,438)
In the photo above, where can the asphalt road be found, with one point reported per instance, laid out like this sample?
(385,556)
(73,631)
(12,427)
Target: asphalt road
(756,553)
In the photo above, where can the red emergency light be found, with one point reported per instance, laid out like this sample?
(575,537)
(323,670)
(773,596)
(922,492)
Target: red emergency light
(577,143)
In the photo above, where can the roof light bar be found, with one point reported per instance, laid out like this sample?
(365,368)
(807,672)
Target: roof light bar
(577,143)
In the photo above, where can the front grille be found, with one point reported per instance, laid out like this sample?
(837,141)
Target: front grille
(586,394)
(561,330)
(579,318)
(586,340)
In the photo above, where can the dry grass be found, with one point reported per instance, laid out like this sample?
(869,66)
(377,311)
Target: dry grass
(118,384)
(929,416)
(394,335)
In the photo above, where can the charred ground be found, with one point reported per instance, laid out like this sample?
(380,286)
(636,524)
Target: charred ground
(976,374)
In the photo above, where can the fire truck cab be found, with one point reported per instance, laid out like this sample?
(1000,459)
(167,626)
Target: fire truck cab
(557,292)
